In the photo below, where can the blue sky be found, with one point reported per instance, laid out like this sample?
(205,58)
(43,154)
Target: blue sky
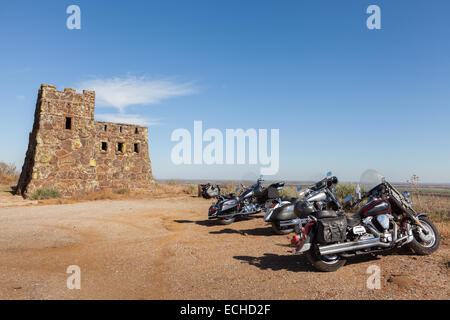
(345,98)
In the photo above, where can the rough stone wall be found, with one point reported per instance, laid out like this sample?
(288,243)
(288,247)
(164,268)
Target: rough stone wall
(81,155)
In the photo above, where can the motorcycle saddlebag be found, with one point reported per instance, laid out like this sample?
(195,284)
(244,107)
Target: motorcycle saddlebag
(213,191)
(330,230)
(272,193)
(209,191)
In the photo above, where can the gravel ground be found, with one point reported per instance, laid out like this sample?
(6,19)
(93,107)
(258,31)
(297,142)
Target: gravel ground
(166,249)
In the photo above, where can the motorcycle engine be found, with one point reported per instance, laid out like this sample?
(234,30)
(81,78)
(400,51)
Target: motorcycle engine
(360,233)
(382,223)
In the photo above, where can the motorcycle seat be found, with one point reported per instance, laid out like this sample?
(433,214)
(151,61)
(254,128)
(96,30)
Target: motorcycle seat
(353,221)
(326,214)
(290,199)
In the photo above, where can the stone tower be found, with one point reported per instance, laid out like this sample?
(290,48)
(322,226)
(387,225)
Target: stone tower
(71,152)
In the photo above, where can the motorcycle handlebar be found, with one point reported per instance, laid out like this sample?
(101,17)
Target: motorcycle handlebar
(326,182)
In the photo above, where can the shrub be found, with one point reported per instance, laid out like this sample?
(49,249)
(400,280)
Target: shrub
(288,192)
(8,173)
(121,191)
(193,189)
(344,190)
(46,193)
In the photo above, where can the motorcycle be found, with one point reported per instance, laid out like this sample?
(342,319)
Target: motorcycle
(385,222)
(281,215)
(250,201)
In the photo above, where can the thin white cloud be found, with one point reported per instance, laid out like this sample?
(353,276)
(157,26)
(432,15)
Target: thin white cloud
(127,119)
(23,70)
(123,92)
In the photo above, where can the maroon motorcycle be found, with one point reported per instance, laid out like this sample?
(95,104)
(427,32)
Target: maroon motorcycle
(385,222)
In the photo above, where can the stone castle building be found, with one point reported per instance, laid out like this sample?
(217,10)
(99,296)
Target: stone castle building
(70,152)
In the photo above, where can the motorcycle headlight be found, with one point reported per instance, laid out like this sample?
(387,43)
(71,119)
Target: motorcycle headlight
(407,196)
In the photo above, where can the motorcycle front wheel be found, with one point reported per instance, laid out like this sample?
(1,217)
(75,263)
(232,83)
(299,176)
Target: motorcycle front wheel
(325,263)
(279,230)
(226,221)
(425,244)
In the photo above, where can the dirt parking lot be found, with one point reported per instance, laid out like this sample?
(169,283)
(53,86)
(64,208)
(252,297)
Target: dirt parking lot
(167,249)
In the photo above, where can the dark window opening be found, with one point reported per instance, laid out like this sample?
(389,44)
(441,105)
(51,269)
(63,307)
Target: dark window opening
(69,123)
(136,147)
(104,146)
(120,146)
(105,127)
(120,129)
(136,130)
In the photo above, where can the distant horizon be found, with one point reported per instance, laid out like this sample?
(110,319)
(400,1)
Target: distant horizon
(425,184)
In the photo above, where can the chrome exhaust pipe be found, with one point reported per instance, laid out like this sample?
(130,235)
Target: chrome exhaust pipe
(294,222)
(288,223)
(351,246)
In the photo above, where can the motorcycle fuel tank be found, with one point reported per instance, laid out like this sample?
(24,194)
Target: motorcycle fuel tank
(319,196)
(230,204)
(303,208)
(285,212)
(375,208)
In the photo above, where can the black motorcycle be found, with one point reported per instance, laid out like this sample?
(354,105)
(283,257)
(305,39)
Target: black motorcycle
(250,201)
(385,222)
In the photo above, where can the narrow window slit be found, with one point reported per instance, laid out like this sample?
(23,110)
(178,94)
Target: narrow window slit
(68,123)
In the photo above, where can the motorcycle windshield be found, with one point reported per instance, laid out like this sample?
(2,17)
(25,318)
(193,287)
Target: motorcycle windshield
(370,179)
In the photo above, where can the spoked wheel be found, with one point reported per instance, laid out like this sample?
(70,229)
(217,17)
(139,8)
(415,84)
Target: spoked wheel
(226,221)
(281,230)
(424,244)
(326,263)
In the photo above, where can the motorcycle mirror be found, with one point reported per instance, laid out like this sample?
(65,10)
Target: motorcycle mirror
(407,196)
(329,174)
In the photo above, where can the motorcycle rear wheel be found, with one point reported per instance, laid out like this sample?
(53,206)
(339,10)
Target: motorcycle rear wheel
(278,230)
(324,263)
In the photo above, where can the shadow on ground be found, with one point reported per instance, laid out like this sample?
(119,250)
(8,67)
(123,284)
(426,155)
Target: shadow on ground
(277,262)
(11,190)
(250,232)
(214,222)
(205,223)
(295,263)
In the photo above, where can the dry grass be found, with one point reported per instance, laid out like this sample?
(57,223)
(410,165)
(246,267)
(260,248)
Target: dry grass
(437,206)
(8,174)
(444,229)
(157,190)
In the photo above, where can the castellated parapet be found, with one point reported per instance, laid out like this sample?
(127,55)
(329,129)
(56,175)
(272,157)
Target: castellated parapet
(71,152)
